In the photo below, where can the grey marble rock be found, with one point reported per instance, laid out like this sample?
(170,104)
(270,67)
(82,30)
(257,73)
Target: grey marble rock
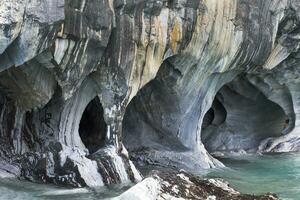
(88,86)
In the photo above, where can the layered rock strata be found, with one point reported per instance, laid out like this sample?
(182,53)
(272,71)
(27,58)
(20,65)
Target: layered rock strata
(82,82)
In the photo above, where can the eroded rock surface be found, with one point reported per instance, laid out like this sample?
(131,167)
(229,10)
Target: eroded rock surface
(82,82)
(180,185)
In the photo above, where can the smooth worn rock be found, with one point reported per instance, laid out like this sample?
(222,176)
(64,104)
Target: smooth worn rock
(171,81)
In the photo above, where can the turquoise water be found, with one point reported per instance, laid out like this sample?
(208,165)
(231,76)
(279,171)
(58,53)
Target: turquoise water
(13,189)
(279,173)
(254,174)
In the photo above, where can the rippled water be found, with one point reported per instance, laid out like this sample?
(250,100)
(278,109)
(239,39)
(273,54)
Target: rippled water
(22,190)
(249,174)
(256,174)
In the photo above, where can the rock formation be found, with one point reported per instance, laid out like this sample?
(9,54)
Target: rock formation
(180,185)
(171,81)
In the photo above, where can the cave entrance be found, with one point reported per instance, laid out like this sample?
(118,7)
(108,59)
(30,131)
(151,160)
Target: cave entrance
(92,127)
(216,115)
(240,118)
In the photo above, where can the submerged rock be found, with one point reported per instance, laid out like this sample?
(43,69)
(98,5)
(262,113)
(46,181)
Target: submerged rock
(181,185)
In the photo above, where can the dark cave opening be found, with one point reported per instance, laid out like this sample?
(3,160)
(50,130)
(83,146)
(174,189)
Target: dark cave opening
(240,118)
(208,118)
(92,127)
(216,115)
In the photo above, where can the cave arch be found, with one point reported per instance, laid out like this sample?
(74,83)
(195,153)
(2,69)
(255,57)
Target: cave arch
(243,118)
(92,127)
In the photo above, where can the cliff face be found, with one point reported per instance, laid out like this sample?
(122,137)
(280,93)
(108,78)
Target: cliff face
(82,81)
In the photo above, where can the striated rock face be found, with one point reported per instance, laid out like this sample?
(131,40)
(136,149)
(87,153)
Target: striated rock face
(230,89)
(82,82)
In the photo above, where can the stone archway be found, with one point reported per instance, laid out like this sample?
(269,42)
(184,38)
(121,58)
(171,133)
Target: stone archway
(92,127)
(240,118)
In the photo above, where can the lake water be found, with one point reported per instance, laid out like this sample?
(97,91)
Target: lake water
(12,189)
(254,174)
(279,173)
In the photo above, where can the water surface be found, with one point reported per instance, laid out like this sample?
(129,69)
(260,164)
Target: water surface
(257,174)
(252,174)
(13,189)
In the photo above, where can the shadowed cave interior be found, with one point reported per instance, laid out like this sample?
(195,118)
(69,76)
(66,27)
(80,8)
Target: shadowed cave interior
(240,118)
(92,128)
(216,115)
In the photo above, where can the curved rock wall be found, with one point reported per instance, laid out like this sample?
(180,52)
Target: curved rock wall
(157,64)
(250,118)
(170,109)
